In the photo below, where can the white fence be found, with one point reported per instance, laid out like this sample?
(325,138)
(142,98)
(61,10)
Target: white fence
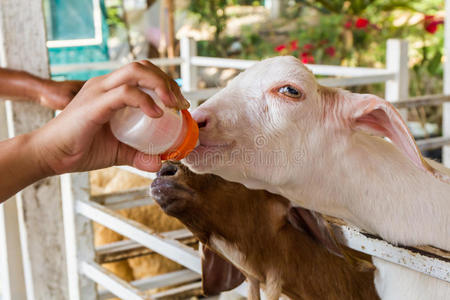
(80,208)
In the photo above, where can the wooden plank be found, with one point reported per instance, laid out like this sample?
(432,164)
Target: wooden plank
(128,248)
(107,279)
(433,143)
(23,44)
(169,248)
(158,281)
(178,290)
(125,199)
(422,101)
(428,260)
(353,81)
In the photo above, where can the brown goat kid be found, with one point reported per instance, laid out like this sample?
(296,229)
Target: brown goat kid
(260,234)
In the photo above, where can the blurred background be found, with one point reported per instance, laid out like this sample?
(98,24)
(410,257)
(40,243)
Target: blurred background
(348,33)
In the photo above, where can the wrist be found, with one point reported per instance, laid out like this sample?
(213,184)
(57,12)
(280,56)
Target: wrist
(35,88)
(35,152)
(20,165)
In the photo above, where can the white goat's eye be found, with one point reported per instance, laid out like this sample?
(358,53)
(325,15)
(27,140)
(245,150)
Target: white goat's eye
(290,91)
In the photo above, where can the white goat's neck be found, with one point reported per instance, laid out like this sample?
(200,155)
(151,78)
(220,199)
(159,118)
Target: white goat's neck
(372,185)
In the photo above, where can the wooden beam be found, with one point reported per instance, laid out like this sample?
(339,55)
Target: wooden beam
(158,281)
(422,101)
(12,280)
(425,259)
(125,249)
(23,44)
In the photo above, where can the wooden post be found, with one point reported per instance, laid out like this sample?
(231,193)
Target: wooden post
(397,61)
(188,49)
(22,37)
(162,28)
(170,6)
(274,7)
(12,280)
(446,106)
(79,236)
(170,28)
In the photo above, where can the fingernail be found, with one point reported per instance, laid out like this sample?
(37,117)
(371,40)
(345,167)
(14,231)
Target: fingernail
(184,104)
(179,102)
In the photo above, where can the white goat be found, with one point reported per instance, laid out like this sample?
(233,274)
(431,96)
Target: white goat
(275,128)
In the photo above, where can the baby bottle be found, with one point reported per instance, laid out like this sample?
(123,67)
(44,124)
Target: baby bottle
(172,136)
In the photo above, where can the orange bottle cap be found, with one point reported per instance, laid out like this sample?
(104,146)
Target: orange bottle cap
(189,142)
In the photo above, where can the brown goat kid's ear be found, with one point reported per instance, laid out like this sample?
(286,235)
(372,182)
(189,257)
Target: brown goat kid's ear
(218,275)
(316,226)
(376,116)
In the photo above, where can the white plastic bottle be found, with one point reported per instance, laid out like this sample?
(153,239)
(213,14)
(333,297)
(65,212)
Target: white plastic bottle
(172,136)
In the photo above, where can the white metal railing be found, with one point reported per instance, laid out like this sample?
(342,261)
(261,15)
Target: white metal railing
(189,62)
(80,208)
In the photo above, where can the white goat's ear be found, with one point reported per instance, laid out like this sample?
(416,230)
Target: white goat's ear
(376,116)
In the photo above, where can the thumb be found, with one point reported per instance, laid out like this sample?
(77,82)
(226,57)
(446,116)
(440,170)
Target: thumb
(146,162)
(127,155)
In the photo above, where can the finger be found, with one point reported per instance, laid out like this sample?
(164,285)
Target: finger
(103,108)
(127,155)
(146,76)
(176,92)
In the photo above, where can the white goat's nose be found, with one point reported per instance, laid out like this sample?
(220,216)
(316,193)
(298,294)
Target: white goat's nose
(202,118)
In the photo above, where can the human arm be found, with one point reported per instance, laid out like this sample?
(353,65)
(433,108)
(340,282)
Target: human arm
(79,138)
(21,85)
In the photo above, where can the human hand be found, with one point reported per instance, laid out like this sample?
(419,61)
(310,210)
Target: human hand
(57,94)
(80,139)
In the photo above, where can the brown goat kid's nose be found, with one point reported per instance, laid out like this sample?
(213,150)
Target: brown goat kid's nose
(168,169)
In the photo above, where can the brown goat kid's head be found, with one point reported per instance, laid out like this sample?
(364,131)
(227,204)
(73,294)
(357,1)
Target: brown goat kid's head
(209,204)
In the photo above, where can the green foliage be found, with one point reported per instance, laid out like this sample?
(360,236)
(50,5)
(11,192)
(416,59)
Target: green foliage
(211,12)
(342,32)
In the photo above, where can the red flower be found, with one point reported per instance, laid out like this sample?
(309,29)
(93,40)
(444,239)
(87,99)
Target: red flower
(307,58)
(348,24)
(361,23)
(280,48)
(431,24)
(331,51)
(308,47)
(294,45)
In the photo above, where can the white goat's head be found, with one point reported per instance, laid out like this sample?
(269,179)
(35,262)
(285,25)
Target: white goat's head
(274,119)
